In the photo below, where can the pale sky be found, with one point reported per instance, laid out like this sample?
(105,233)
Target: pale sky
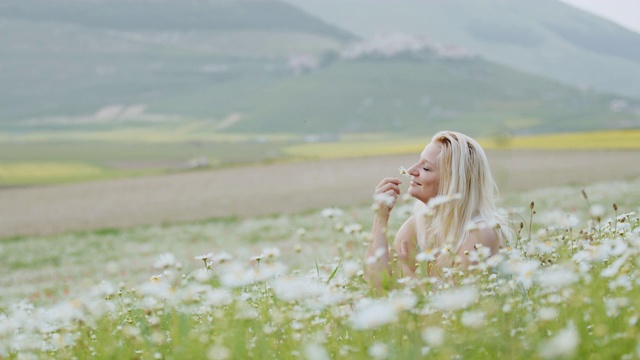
(623,12)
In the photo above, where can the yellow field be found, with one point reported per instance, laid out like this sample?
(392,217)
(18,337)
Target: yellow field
(185,134)
(373,145)
(614,140)
(357,145)
(33,172)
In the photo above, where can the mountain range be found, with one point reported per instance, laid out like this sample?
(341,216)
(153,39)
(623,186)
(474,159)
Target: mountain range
(320,67)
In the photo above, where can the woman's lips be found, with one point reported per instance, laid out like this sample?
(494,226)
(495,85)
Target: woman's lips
(414,183)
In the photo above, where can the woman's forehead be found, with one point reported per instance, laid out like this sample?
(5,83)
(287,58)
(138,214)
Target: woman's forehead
(431,152)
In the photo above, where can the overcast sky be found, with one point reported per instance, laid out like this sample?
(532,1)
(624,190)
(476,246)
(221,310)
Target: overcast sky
(623,12)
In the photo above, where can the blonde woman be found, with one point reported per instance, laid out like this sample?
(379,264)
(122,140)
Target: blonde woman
(454,214)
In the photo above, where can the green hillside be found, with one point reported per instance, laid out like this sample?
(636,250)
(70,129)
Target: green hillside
(167,64)
(166,15)
(544,37)
(402,95)
(71,58)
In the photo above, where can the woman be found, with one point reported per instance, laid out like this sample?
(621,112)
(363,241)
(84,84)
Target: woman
(454,215)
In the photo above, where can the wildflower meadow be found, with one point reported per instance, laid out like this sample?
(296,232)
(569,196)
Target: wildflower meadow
(292,287)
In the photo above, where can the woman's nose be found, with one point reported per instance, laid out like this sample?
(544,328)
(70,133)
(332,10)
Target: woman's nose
(413,170)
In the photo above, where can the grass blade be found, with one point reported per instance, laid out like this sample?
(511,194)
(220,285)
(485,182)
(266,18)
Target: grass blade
(334,271)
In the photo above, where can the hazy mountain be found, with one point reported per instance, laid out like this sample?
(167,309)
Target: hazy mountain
(427,91)
(64,57)
(266,66)
(170,15)
(543,37)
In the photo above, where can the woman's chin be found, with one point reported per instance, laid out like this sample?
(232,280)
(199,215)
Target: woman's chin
(415,196)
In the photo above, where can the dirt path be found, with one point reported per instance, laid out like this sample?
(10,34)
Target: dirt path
(267,189)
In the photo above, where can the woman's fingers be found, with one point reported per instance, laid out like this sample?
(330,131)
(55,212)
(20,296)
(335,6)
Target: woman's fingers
(392,180)
(387,187)
(387,181)
(386,194)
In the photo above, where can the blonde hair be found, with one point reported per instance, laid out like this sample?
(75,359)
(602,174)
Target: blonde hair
(465,177)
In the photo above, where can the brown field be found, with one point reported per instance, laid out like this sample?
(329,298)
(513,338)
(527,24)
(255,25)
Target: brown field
(269,189)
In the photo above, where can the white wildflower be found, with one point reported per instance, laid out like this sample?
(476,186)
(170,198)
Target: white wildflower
(422,209)
(615,267)
(617,247)
(547,313)
(596,210)
(455,299)
(235,274)
(271,253)
(473,319)
(313,351)
(545,247)
(480,254)
(105,289)
(622,281)
(218,352)
(370,314)
(404,171)
(378,351)
(426,255)
(329,297)
(204,257)
(442,199)
(331,213)
(246,313)
(559,219)
(433,336)
(291,289)
(350,268)
(556,278)
(384,199)
(404,301)
(164,261)
(201,275)
(352,229)
(563,344)
(495,260)
(157,289)
(613,305)
(257,258)
(217,297)
(523,270)
(221,258)
(376,256)
(112,268)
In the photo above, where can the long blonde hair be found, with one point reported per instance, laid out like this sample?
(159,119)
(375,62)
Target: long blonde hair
(465,178)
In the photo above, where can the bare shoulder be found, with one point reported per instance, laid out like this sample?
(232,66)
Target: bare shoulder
(406,234)
(408,229)
(485,236)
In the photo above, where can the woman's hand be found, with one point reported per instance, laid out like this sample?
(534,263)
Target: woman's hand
(386,194)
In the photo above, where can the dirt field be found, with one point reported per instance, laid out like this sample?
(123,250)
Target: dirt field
(268,189)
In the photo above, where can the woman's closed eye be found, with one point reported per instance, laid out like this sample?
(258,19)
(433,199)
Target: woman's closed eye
(426,169)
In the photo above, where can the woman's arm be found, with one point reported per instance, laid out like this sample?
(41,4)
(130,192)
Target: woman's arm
(406,247)
(376,262)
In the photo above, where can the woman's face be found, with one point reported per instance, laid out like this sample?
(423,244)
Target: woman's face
(425,174)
